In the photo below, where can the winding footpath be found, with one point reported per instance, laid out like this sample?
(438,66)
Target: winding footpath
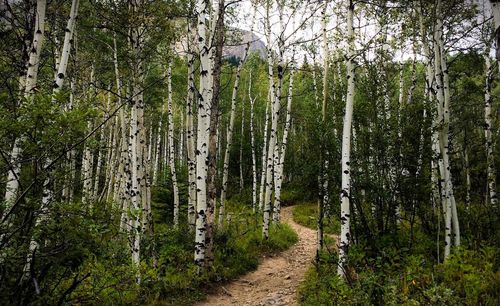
(276,280)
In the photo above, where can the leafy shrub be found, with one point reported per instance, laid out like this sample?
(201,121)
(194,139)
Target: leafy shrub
(306,214)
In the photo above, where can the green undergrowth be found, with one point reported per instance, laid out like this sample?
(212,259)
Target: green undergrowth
(238,247)
(306,214)
(467,278)
(396,272)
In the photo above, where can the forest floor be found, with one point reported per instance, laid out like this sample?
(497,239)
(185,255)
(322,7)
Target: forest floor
(276,280)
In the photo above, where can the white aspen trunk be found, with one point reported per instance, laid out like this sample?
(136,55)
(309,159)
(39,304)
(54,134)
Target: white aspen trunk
(282,150)
(252,141)
(147,217)
(165,155)
(181,140)
(495,8)
(242,136)
(203,129)
(264,159)
(138,187)
(134,218)
(446,159)
(229,140)
(68,35)
(124,195)
(171,157)
(158,143)
(229,136)
(36,48)
(111,160)
(315,84)
(57,56)
(430,78)
(345,217)
(400,154)
(444,117)
(61,72)
(323,178)
(413,84)
(87,169)
(280,76)
(491,171)
(275,105)
(95,191)
(440,98)
(28,85)
(467,176)
(191,156)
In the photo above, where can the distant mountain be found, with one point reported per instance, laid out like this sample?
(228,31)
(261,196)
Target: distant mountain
(236,40)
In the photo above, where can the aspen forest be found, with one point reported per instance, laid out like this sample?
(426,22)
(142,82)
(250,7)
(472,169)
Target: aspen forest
(249,152)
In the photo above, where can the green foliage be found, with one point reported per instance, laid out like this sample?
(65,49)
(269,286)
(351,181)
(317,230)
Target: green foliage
(323,287)
(306,214)
(395,275)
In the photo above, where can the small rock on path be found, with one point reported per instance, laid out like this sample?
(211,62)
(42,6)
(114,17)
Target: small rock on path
(276,280)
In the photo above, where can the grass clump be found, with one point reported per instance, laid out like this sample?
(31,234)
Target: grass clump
(306,214)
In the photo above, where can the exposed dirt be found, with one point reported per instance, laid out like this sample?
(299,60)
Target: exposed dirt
(276,280)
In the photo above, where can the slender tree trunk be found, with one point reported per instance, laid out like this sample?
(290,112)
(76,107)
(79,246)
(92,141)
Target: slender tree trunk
(491,170)
(29,84)
(443,97)
(252,141)
(345,196)
(467,174)
(68,36)
(323,177)
(263,158)
(242,138)
(282,150)
(158,146)
(229,136)
(137,149)
(495,7)
(280,69)
(171,157)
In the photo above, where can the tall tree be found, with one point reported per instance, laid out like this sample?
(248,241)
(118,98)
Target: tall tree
(345,196)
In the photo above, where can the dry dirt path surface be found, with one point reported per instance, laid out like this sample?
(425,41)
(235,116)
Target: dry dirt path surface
(276,280)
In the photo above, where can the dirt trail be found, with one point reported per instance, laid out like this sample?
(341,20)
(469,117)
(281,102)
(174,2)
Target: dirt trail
(276,280)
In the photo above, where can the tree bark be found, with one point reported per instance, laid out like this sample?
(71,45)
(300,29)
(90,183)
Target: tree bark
(30,82)
(171,156)
(275,105)
(345,196)
(203,129)
(491,171)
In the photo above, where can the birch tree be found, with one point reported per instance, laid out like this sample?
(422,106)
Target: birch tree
(190,135)
(443,97)
(232,115)
(31,79)
(345,217)
(491,170)
(171,156)
(203,128)
(323,177)
(274,126)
